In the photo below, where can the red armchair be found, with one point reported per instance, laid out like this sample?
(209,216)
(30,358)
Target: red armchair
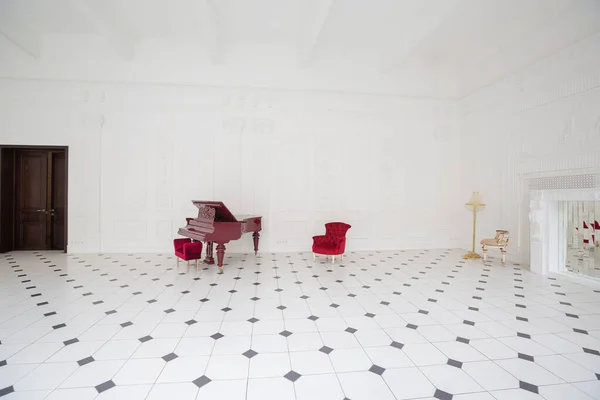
(187,250)
(333,243)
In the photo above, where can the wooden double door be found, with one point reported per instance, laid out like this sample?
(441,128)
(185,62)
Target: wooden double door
(38,197)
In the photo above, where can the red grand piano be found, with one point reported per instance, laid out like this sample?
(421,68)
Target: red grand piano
(216,224)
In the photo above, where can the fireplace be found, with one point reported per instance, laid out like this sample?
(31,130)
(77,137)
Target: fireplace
(551,224)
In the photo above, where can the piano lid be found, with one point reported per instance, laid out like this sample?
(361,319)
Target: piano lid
(222,213)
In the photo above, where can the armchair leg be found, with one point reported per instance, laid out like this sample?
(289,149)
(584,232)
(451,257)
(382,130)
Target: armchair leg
(314,257)
(177,262)
(503,259)
(332,259)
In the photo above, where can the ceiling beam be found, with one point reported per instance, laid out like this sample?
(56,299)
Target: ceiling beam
(212,28)
(117,36)
(310,38)
(421,26)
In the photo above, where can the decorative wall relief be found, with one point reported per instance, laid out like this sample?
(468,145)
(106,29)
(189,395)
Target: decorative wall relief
(234,125)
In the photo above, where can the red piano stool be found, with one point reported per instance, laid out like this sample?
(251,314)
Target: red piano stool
(216,224)
(187,250)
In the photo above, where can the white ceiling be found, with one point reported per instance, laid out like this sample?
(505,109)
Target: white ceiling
(472,42)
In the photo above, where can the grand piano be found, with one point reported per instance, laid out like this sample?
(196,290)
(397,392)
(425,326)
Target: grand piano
(216,224)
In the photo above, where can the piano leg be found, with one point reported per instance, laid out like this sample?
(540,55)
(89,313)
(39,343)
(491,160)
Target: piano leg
(255,237)
(209,253)
(220,256)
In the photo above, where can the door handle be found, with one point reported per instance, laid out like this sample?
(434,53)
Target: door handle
(40,210)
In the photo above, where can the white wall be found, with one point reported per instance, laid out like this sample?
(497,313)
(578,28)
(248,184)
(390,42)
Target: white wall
(541,120)
(138,153)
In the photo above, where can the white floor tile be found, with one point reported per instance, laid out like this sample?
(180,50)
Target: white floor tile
(490,376)
(226,390)
(350,360)
(183,369)
(408,383)
(529,372)
(270,389)
(565,369)
(450,379)
(269,365)
(311,362)
(422,354)
(365,386)
(46,376)
(132,392)
(565,391)
(179,391)
(227,367)
(318,387)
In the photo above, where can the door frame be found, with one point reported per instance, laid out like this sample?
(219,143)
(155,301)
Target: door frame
(12,189)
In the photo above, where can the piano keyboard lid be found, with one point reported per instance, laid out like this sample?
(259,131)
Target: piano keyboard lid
(222,213)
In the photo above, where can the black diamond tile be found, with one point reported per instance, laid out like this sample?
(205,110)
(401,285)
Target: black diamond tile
(522,319)
(423,312)
(97,302)
(2,363)
(126,324)
(281,307)
(285,333)
(6,390)
(202,381)
(279,290)
(333,305)
(462,340)
(250,353)
(591,351)
(304,297)
(598,376)
(441,395)
(204,300)
(325,349)
(253,320)
(351,295)
(292,376)
(59,326)
(397,345)
(191,322)
(152,301)
(170,357)
(217,336)
(468,322)
(85,361)
(376,369)
(110,312)
(145,339)
(572,315)
(454,363)
(580,331)
(350,330)
(49,314)
(528,386)
(169,311)
(526,357)
(323,288)
(524,335)
(411,326)
(370,315)
(313,318)
(70,341)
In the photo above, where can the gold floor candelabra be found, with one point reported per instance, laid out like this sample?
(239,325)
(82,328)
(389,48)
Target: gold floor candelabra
(475,204)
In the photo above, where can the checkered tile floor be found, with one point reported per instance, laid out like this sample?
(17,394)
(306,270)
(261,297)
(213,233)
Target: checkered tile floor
(384,325)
